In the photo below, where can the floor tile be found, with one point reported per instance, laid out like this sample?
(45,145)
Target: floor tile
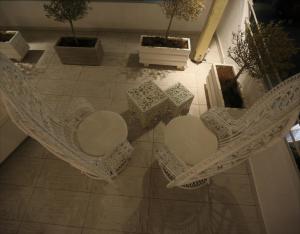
(172,217)
(133,181)
(158,132)
(231,189)
(57,174)
(57,87)
(99,73)
(57,207)
(20,171)
(119,91)
(117,213)
(35,228)
(9,227)
(114,59)
(63,72)
(93,89)
(29,148)
(13,201)
(95,231)
(241,169)
(159,190)
(142,154)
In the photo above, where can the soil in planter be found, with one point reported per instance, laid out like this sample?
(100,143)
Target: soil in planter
(230,88)
(4,37)
(81,42)
(162,42)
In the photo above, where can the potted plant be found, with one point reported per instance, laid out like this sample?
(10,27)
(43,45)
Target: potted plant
(74,49)
(168,50)
(263,52)
(13,45)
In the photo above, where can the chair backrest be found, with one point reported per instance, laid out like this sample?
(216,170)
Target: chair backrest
(35,118)
(266,121)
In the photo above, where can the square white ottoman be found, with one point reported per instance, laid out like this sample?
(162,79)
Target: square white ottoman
(148,102)
(179,100)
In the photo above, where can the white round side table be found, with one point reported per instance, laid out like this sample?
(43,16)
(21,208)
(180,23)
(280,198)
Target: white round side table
(101,132)
(189,139)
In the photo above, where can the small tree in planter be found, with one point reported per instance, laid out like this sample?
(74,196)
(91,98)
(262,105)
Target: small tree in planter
(266,51)
(88,50)
(181,9)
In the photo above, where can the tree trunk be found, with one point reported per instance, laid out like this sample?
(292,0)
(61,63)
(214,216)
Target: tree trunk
(239,73)
(170,22)
(73,32)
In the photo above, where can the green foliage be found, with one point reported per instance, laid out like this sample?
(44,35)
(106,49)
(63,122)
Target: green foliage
(67,10)
(181,9)
(265,50)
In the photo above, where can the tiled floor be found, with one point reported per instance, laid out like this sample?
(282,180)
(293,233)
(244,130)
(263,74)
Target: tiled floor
(42,194)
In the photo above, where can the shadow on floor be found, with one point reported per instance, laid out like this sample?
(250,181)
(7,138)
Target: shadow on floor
(33,56)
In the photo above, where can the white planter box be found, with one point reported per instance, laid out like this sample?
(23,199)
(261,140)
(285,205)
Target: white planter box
(16,48)
(213,86)
(164,55)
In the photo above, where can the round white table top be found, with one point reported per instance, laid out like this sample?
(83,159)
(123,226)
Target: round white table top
(101,132)
(189,139)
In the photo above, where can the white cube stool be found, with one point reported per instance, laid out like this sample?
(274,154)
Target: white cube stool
(148,102)
(179,99)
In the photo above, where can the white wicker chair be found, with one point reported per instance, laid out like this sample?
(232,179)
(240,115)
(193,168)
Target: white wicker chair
(54,131)
(268,119)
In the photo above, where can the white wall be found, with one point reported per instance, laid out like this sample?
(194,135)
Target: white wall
(104,15)
(278,189)
(233,18)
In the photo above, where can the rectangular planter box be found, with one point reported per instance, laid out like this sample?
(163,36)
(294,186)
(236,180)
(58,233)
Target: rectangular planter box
(80,55)
(213,86)
(164,55)
(16,47)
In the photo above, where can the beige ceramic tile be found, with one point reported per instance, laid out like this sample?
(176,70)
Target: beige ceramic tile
(231,189)
(241,169)
(158,132)
(133,181)
(20,170)
(57,207)
(195,110)
(9,227)
(34,228)
(63,72)
(119,106)
(57,87)
(97,231)
(113,42)
(13,201)
(93,89)
(201,95)
(111,59)
(119,91)
(142,154)
(97,103)
(57,174)
(202,109)
(159,190)
(176,217)
(99,73)
(29,148)
(117,213)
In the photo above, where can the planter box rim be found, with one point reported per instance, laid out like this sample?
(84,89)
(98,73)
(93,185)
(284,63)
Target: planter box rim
(12,38)
(167,48)
(76,47)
